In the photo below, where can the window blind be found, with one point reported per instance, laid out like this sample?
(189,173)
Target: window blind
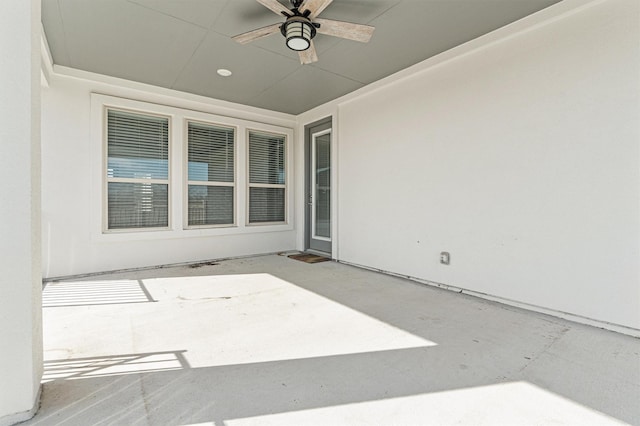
(137,170)
(267,178)
(266,158)
(211,174)
(210,205)
(266,205)
(211,153)
(138,146)
(137,205)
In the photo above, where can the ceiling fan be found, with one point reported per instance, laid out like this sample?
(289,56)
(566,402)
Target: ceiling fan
(302,25)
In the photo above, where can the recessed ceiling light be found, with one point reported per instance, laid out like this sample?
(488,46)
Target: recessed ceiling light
(223,72)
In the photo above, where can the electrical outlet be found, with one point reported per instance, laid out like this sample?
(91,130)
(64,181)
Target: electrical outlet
(445,258)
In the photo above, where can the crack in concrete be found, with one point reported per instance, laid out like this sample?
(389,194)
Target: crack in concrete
(531,360)
(144,399)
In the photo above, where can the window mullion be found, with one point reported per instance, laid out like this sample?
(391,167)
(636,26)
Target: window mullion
(267,185)
(199,182)
(134,180)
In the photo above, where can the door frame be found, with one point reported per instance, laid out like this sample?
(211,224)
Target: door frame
(323,124)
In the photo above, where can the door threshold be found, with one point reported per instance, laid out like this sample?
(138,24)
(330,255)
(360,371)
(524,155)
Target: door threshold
(318,252)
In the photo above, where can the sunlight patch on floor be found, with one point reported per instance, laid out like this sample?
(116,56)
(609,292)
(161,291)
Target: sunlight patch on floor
(505,403)
(261,318)
(211,320)
(83,293)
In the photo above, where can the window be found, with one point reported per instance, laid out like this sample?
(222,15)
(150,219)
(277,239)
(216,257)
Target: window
(137,170)
(267,189)
(211,174)
(162,172)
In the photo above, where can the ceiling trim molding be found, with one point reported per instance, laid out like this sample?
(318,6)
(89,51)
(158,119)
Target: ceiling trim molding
(114,86)
(46,59)
(549,15)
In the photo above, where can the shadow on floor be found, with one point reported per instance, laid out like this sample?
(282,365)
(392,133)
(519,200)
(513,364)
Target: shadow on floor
(231,393)
(489,362)
(83,368)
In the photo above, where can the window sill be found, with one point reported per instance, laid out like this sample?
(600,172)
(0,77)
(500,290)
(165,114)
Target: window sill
(204,232)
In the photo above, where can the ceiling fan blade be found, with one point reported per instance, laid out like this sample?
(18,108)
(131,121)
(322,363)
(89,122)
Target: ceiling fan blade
(250,36)
(348,30)
(308,56)
(275,6)
(315,7)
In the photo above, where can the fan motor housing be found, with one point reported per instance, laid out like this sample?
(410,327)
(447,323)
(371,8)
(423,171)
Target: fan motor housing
(298,28)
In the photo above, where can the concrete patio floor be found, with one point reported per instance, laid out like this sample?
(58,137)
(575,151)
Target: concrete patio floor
(270,340)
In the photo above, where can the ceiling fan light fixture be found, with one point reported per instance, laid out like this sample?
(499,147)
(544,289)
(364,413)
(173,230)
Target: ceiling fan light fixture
(298,33)
(302,24)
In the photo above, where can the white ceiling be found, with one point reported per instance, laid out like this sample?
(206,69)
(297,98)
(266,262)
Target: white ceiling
(179,44)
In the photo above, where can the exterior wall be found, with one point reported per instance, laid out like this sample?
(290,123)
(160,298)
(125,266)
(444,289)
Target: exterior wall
(20,280)
(520,158)
(518,153)
(73,241)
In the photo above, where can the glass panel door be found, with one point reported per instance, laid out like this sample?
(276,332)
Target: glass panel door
(318,232)
(321,186)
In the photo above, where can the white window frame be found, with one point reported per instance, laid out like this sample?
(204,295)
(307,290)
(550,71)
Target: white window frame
(250,185)
(179,115)
(188,182)
(106,179)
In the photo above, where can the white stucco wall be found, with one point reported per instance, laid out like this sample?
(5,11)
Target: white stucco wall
(520,158)
(20,280)
(73,241)
(518,153)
